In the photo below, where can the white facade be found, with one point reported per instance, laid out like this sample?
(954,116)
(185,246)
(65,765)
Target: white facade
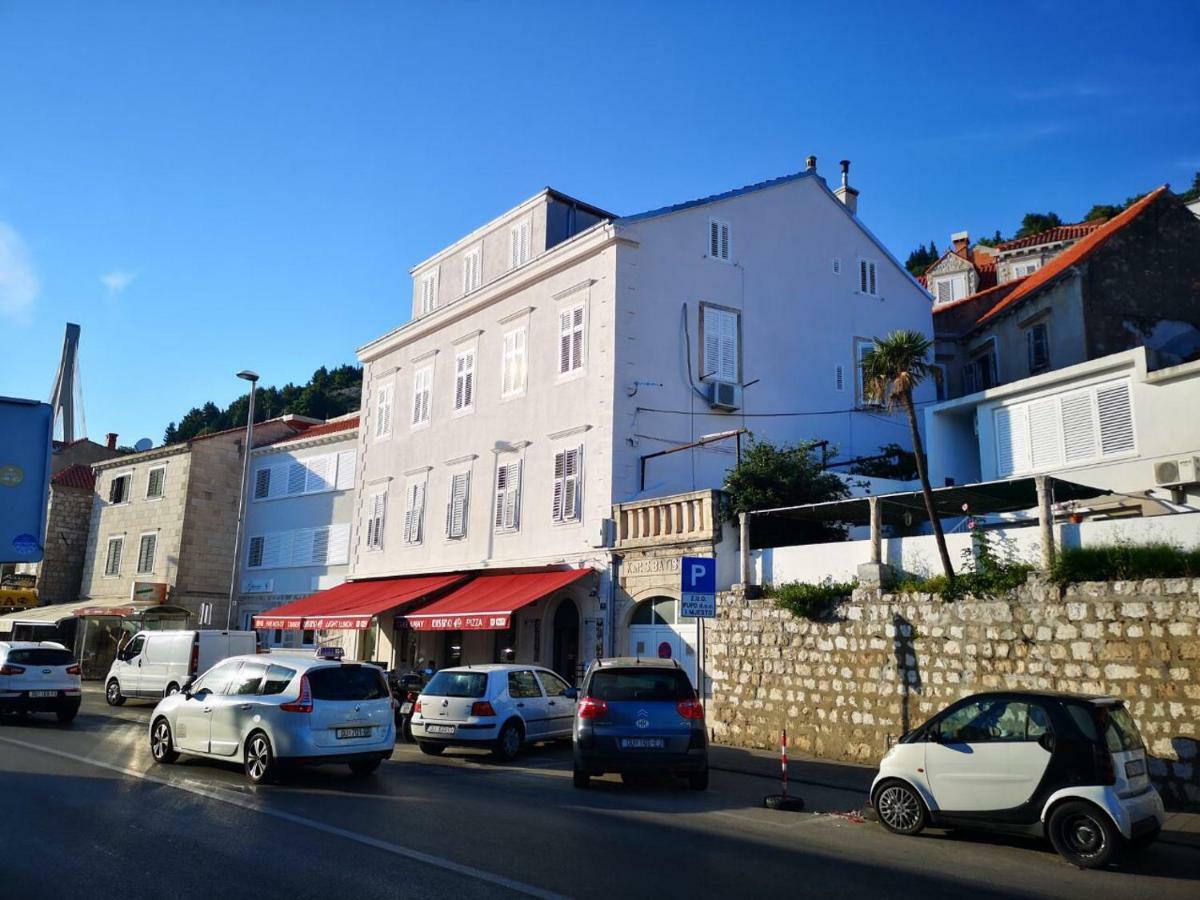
(563,370)
(300,499)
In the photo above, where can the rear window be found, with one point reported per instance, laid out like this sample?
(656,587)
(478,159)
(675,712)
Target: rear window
(1120,731)
(347,683)
(457,684)
(40,656)
(643,685)
(277,680)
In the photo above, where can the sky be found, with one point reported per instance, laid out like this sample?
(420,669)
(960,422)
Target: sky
(207,187)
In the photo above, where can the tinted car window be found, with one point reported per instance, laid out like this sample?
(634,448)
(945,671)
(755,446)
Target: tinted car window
(552,684)
(277,680)
(645,684)
(216,681)
(1120,731)
(990,720)
(522,685)
(347,683)
(248,679)
(40,656)
(457,684)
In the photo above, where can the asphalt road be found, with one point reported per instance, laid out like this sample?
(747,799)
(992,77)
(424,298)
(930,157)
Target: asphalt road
(86,812)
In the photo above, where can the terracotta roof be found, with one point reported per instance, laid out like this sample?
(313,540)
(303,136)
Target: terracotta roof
(1054,235)
(985,267)
(294,424)
(348,423)
(76,476)
(1074,255)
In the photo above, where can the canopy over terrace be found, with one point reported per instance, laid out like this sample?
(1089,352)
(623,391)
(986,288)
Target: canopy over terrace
(355,604)
(487,603)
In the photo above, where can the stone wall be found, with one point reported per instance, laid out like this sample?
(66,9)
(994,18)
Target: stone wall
(68,517)
(880,664)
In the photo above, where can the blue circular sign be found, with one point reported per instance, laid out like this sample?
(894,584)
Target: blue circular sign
(25,545)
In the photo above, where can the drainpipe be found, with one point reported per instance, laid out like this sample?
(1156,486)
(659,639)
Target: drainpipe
(610,614)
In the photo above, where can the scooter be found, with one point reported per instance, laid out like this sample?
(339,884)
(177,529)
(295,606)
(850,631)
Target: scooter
(406,688)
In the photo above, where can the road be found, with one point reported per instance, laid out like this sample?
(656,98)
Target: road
(86,812)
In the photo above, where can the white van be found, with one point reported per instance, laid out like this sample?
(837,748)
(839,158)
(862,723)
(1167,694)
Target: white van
(155,664)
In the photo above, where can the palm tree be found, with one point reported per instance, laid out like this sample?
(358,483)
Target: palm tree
(892,369)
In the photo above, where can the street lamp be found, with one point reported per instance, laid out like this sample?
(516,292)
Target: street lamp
(252,377)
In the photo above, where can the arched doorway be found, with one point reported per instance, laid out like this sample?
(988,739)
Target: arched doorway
(566,639)
(657,629)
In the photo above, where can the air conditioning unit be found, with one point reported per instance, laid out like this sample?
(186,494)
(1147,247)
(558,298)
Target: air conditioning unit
(723,395)
(1175,472)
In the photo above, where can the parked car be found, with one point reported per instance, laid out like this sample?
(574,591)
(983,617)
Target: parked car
(502,706)
(638,715)
(39,676)
(154,664)
(279,710)
(1066,766)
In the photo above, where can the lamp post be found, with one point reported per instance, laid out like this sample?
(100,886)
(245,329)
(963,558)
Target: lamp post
(252,377)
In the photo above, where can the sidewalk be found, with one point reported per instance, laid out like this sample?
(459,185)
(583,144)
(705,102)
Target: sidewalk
(809,776)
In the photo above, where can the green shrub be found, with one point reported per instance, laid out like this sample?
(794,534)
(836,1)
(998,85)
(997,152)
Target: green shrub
(1125,562)
(990,567)
(809,601)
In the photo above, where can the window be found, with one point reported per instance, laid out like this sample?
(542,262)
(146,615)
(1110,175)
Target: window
(862,346)
(1037,340)
(216,681)
(464,381)
(522,685)
(277,679)
(567,483)
(376,511)
(980,373)
(456,506)
(866,277)
(472,270)
(571,339)
(993,721)
(519,244)
(428,292)
(719,338)
(457,684)
(837,265)
(248,679)
(112,561)
(155,481)
(718,239)
(646,686)
(146,547)
(414,513)
(118,491)
(255,558)
(422,390)
(348,683)
(310,475)
(383,412)
(508,497)
(552,684)
(1020,271)
(262,483)
(945,291)
(513,368)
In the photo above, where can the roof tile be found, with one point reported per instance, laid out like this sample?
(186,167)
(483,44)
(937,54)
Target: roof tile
(76,476)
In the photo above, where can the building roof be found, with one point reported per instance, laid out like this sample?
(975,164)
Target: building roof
(1054,235)
(984,263)
(75,476)
(713,198)
(333,426)
(298,424)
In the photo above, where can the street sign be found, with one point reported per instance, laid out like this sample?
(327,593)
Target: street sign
(698,589)
(25,429)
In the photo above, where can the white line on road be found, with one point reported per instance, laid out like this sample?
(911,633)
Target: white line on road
(245,803)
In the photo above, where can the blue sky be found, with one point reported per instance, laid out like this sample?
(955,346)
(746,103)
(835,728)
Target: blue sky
(208,187)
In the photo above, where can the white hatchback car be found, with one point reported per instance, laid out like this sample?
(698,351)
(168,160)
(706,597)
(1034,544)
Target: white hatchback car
(501,706)
(279,709)
(39,676)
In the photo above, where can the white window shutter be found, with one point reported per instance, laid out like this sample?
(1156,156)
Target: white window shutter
(1115,408)
(501,490)
(319,545)
(383,411)
(456,508)
(297,478)
(302,548)
(1045,429)
(345,469)
(564,342)
(720,344)
(339,544)
(560,466)
(419,518)
(945,292)
(1012,439)
(320,474)
(862,275)
(871,268)
(1079,426)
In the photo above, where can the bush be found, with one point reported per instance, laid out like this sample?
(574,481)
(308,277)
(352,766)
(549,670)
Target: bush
(1125,562)
(988,568)
(809,601)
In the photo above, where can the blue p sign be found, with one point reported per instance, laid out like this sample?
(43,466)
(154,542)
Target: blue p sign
(699,575)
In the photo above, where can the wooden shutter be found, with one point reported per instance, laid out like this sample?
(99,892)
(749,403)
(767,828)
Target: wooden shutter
(871,273)
(1079,427)
(146,547)
(456,507)
(154,486)
(945,292)
(1045,430)
(345,470)
(464,380)
(262,483)
(577,338)
(1115,409)
(414,514)
(571,483)
(422,388)
(112,562)
(714,238)
(375,520)
(513,363)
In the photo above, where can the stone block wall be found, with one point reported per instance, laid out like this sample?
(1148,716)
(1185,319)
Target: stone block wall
(68,517)
(881,664)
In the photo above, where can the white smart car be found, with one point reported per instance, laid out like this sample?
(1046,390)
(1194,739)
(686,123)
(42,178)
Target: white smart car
(501,706)
(1066,766)
(279,709)
(39,676)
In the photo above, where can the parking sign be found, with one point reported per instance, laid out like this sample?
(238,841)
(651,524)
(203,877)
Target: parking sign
(698,591)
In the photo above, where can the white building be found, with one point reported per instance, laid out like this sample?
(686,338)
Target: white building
(553,352)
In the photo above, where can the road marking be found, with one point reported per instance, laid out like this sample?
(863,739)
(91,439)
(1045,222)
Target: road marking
(244,803)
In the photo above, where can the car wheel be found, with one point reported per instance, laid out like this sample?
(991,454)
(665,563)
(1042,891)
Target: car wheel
(580,778)
(172,688)
(431,749)
(406,730)
(365,766)
(508,745)
(698,781)
(112,693)
(66,714)
(1083,834)
(900,808)
(260,759)
(162,745)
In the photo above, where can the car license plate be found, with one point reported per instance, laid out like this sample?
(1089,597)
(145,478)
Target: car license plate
(439,729)
(43,693)
(405,709)
(1135,767)
(641,743)
(352,732)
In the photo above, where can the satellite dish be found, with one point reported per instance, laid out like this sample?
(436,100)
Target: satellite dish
(143,444)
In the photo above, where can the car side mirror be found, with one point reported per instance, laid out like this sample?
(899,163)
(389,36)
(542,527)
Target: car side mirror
(1046,742)
(571,693)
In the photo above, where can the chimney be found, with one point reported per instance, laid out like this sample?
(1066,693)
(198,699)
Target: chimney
(845,193)
(810,164)
(961,241)
(110,440)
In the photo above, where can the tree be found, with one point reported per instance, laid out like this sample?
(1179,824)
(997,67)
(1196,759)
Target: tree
(892,370)
(1035,223)
(998,238)
(789,475)
(1192,193)
(921,259)
(1102,211)
(893,461)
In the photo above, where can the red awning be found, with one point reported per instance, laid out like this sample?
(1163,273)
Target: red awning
(487,603)
(353,604)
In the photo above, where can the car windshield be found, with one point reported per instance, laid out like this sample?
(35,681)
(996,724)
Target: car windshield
(347,683)
(457,684)
(40,656)
(1120,732)
(644,685)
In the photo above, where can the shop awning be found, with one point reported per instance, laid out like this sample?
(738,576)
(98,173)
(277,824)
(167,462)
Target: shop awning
(355,603)
(488,602)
